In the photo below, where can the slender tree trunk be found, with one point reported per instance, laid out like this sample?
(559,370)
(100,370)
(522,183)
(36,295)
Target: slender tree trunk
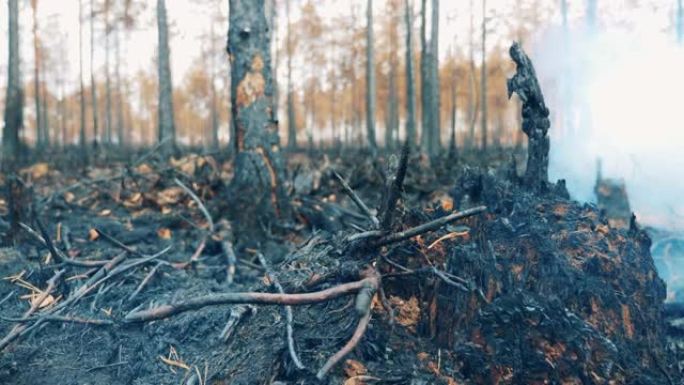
(108,81)
(93,85)
(291,114)
(483,76)
(14,99)
(40,127)
(473,100)
(212,89)
(424,79)
(82,129)
(119,96)
(273,22)
(393,100)
(452,140)
(370,78)
(259,171)
(435,102)
(167,128)
(410,77)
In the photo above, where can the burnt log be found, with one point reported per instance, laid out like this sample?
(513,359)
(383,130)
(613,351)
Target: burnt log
(535,118)
(256,190)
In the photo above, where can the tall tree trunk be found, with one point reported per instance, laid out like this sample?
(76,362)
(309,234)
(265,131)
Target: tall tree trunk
(259,170)
(393,100)
(14,122)
(212,90)
(273,23)
(119,96)
(40,127)
(483,76)
(93,85)
(82,129)
(473,100)
(108,80)
(424,79)
(370,78)
(167,128)
(291,114)
(452,138)
(410,77)
(435,102)
(14,99)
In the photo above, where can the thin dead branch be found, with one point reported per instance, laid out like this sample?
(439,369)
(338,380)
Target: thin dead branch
(288,313)
(357,200)
(197,200)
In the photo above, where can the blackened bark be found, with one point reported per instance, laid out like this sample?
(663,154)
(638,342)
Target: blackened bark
(370,78)
(259,172)
(410,78)
(167,128)
(535,118)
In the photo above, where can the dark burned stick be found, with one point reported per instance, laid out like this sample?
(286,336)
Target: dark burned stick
(288,313)
(64,258)
(144,282)
(115,242)
(426,227)
(362,206)
(165,311)
(535,116)
(394,186)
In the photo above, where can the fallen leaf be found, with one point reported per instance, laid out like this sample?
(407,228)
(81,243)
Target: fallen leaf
(164,233)
(169,196)
(105,213)
(354,368)
(144,169)
(93,235)
(69,197)
(36,171)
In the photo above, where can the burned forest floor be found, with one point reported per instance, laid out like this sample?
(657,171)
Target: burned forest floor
(137,270)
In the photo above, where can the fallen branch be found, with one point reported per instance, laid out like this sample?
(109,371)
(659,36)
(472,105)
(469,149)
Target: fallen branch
(165,311)
(426,227)
(61,257)
(144,282)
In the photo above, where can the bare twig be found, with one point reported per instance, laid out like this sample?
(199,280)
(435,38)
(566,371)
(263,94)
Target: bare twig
(362,206)
(426,227)
(236,313)
(165,311)
(231,260)
(197,200)
(288,313)
(60,318)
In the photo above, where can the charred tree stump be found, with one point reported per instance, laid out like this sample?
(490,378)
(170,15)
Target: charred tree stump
(256,190)
(535,117)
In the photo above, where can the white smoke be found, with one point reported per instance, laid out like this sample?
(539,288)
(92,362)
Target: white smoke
(617,96)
